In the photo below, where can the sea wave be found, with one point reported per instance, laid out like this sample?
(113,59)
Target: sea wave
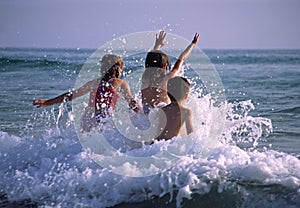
(34,63)
(286,57)
(54,170)
(294,110)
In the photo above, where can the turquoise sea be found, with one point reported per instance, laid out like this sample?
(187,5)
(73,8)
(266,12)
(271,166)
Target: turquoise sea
(256,163)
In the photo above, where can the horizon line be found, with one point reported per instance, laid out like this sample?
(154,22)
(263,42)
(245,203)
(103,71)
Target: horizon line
(90,48)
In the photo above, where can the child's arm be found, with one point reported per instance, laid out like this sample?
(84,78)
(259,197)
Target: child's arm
(184,55)
(59,99)
(160,40)
(68,96)
(125,91)
(189,121)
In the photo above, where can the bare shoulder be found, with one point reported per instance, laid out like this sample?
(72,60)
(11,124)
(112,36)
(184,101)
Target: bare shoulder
(170,75)
(117,82)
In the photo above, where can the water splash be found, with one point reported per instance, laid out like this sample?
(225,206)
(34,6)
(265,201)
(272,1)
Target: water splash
(53,170)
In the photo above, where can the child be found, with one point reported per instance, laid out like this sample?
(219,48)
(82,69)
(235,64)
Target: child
(155,78)
(111,69)
(109,91)
(173,116)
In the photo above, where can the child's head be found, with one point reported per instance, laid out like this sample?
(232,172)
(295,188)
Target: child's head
(157,59)
(110,60)
(113,72)
(178,88)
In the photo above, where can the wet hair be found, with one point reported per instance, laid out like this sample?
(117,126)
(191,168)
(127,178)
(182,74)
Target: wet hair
(112,72)
(177,88)
(110,60)
(157,59)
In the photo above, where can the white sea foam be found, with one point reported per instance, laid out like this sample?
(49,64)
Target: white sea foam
(54,170)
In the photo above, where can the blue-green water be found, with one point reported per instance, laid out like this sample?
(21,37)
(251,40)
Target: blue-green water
(42,159)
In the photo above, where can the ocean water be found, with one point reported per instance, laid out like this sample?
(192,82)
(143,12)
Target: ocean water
(256,162)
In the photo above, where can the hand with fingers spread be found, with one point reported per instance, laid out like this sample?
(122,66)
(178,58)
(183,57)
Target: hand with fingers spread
(160,40)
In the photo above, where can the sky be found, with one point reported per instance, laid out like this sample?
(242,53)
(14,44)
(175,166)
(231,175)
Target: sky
(222,24)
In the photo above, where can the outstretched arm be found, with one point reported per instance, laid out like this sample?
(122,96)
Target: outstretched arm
(184,55)
(65,97)
(160,40)
(59,99)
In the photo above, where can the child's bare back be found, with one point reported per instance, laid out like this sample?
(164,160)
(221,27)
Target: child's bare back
(173,116)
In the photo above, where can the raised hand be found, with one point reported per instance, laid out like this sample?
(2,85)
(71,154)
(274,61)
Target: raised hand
(160,40)
(196,37)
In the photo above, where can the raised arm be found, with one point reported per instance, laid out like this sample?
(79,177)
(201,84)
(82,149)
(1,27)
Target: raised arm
(160,40)
(65,97)
(184,55)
